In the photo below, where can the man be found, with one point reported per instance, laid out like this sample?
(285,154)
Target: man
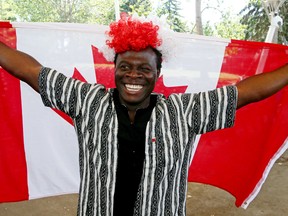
(134,146)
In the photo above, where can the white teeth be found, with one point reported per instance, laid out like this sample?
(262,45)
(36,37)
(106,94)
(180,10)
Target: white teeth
(134,88)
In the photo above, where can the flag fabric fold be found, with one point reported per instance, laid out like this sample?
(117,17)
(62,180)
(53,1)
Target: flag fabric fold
(13,170)
(260,132)
(38,146)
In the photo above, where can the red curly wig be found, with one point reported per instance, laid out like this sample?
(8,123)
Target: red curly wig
(132,34)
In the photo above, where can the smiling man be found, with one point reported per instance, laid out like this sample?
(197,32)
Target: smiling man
(135,147)
(136,74)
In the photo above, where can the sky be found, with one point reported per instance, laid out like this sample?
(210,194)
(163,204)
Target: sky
(210,14)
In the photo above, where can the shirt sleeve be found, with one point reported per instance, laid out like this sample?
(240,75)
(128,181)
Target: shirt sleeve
(211,110)
(60,92)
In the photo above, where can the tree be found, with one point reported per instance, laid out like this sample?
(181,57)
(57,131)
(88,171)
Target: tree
(171,8)
(257,21)
(6,12)
(229,27)
(140,7)
(76,11)
(101,10)
(198,12)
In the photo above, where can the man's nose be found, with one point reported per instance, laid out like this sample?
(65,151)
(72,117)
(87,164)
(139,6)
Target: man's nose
(134,73)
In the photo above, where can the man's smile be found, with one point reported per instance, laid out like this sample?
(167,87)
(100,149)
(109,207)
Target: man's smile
(133,88)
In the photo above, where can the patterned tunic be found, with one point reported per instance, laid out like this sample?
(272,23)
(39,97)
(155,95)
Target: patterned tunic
(170,135)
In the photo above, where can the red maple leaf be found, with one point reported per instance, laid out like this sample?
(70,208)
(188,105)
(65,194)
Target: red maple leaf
(104,73)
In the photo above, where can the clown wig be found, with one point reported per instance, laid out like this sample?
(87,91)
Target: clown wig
(137,33)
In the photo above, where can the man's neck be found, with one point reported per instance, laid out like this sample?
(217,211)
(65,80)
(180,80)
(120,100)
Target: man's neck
(132,109)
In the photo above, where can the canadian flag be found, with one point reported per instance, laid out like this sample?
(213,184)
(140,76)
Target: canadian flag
(38,145)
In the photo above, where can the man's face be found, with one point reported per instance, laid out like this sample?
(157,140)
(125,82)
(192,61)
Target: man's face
(135,77)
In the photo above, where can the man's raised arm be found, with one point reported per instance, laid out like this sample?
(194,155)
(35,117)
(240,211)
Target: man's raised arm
(20,65)
(259,87)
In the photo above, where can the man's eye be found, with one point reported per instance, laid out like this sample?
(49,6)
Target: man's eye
(145,69)
(124,67)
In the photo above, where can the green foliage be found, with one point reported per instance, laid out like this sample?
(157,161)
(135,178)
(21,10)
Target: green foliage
(103,11)
(76,11)
(257,21)
(86,11)
(208,30)
(171,9)
(6,12)
(229,27)
(140,7)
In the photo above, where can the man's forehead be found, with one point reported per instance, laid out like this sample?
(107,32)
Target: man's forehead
(136,58)
(144,56)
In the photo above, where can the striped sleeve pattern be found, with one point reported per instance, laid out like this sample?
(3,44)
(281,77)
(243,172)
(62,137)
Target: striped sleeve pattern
(212,110)
(95,121)
(58,91)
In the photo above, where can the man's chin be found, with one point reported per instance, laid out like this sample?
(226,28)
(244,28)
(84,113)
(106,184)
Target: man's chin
(135,102)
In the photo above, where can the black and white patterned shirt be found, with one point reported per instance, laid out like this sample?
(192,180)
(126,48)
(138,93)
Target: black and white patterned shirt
(170,135)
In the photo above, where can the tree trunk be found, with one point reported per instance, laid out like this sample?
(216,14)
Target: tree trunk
(199,26)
